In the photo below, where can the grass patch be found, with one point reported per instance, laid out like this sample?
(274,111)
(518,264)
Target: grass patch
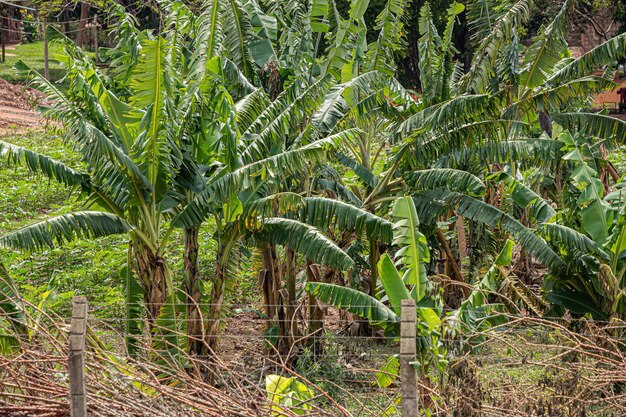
(26,198)
(32,55)
(88,267)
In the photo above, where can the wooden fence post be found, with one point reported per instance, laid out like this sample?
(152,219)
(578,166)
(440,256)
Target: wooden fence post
(46,67)
(95,37)
(76,360)
(408,376)
(3,35)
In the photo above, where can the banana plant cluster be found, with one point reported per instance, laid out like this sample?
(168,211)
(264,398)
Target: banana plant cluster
(279,127)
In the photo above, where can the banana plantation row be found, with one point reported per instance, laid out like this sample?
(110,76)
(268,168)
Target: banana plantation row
(281,132)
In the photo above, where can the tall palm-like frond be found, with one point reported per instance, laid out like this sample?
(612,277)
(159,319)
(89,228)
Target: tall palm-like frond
(427,147)
(484,60)
(127,38)
(360,170)
(274,205)
(251,107)
(447,115)
(607,53)
(336,105)
(65,228)
(39,163)
(481,16)
(289,162)
(432,204)
(390,26)
(446,178)
(324,213)
(150,87)
(98,149)
(537,152)
(430,55)
(209,36)
(282,117)
(413,252)
(571,238)
(306,240)
(611,129)
(547,48)
(263,33)
(524,197)
(354,301)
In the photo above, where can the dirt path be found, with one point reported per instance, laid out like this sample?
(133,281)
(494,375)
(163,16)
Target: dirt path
(16,104)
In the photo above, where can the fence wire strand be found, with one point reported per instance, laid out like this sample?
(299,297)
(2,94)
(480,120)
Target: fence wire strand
(527,366)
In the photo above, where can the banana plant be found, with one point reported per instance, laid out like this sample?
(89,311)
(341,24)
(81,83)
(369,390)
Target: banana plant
(490,297)
(595,282)
(410,257)
(488,120)
(270,144)
(287,393)
(130,148)
(499,101)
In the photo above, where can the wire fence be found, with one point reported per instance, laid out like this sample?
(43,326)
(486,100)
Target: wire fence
(525,366)
(40,25)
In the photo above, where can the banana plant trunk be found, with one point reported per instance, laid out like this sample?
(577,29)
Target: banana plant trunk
(462,240)
(277,300)
(316,315)
(363,327)
(154,273)
(215,308)
(374,258)
(193,292)
(290,272)
(270,281)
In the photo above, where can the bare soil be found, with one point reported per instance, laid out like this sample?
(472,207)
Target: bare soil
(17,105)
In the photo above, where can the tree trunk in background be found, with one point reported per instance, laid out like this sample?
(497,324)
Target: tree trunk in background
(193,292)
(84,15)
(66,25)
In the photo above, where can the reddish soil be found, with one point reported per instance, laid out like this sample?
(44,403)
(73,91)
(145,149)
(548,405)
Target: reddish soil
(242,339)
(242,344)
(16,107)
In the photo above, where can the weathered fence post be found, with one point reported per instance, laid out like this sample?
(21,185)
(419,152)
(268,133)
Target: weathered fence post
(3,35)
(95,38)
(46,61)
(76,360)
(408,377)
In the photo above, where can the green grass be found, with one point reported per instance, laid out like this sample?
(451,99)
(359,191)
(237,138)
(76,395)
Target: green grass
(32,55)
(24,197)
(84,267)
